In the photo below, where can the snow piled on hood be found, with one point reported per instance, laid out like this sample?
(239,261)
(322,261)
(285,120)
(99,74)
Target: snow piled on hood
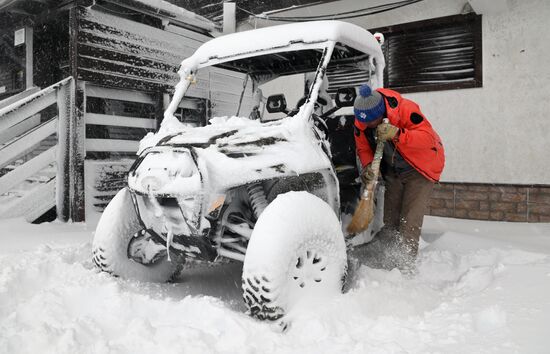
(481,287)
(294,149)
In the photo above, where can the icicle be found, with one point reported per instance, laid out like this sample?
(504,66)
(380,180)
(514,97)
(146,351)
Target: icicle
(169,238)
(158,210)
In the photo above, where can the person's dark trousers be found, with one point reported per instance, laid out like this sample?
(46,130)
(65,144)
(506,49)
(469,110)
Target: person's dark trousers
(405,203)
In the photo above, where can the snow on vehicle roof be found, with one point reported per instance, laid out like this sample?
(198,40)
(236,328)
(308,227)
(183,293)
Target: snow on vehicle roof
(282,36)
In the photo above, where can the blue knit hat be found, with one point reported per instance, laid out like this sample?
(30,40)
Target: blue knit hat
(369,105)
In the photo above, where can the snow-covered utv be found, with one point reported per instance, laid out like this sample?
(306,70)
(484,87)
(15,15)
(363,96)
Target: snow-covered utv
(264,192)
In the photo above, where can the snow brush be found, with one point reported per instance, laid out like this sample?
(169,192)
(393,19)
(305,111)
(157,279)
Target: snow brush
(365,210)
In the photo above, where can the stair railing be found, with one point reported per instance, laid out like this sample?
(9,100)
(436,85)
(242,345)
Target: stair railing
(20,131)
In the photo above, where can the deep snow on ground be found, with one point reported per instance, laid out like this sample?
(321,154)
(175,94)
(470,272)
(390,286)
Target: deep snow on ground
(482,287)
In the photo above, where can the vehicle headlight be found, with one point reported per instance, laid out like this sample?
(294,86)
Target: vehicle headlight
(159,169)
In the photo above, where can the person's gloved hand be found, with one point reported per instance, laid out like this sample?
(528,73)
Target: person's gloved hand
(367,174)
(386,131)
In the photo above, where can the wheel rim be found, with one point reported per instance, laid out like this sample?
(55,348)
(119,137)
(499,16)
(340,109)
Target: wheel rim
(310,269)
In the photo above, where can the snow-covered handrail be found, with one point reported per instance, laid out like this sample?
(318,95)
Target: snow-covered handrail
(18,96)
(62,94)
(30,105)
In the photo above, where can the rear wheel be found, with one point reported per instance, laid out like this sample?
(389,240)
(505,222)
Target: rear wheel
(296,253)
(116,228)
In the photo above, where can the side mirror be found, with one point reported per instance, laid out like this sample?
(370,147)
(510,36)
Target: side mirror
(345,97)
(276,103)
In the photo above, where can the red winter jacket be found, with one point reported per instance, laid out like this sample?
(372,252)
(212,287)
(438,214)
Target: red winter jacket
(417,141)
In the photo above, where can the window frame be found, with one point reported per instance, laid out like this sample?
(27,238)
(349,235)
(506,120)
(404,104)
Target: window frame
(471,19)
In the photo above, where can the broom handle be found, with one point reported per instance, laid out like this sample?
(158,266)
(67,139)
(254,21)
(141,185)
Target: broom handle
(375,165)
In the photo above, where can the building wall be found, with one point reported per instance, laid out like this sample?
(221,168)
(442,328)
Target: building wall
(494,134)
(491,202)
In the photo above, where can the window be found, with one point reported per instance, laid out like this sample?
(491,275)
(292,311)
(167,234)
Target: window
(12,65)
(437,54)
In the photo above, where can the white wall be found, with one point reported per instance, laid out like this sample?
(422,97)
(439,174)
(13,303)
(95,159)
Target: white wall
(499,133)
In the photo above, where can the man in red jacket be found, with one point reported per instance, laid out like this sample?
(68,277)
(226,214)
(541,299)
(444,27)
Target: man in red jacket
(413,160)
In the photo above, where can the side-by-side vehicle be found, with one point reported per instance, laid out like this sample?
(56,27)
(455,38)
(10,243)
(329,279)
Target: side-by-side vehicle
(265,186)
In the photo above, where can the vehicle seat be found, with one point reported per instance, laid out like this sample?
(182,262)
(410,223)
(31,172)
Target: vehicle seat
(342,146)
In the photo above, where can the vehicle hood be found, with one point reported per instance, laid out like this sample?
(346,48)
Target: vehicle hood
(233,151)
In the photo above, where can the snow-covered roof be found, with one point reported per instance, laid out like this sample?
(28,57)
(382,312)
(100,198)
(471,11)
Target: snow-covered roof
(157,8)
(165,8)
(280,37)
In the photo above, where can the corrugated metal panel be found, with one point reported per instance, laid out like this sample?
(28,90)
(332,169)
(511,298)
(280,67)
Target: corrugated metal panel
(346,77)
(442,53)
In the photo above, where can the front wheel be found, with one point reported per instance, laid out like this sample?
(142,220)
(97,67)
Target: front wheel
(296,253)
(117,225)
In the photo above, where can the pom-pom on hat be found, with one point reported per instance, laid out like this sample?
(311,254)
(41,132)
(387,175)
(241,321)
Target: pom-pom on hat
(369,105)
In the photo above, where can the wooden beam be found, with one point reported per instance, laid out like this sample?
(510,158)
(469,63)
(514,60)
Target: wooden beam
(77,125)
(119,121)
(19,129)
(18,175)
(35,203)
(33,137)
(29,56)
(65,106)
(16,113)
(114,94)
(112,145)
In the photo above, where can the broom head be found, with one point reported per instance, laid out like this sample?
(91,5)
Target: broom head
(363,215)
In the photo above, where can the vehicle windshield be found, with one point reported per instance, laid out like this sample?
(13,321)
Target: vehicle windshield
(242,87)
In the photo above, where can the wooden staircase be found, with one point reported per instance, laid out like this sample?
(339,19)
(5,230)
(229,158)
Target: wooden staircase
(31,151)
